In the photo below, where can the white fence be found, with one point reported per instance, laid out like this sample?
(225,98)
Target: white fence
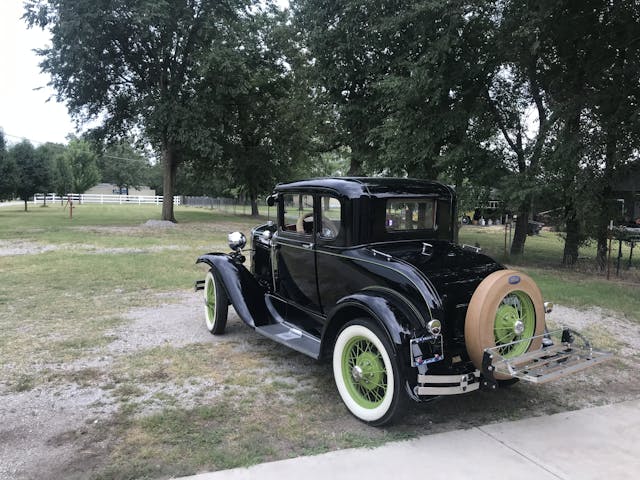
(81,198)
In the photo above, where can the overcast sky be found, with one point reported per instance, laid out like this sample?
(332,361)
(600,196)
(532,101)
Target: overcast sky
(24,110)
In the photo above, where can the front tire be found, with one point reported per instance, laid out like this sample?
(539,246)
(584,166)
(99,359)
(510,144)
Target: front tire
(216,304)
(366,372)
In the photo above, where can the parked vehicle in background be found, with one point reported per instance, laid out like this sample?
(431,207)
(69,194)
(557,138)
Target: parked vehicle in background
(366,273)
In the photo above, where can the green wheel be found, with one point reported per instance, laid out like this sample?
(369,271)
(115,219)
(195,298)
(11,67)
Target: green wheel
(366,372)
(216,304)
(515,320)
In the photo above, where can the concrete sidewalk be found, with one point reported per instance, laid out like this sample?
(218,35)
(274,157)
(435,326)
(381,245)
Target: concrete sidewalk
(595,443)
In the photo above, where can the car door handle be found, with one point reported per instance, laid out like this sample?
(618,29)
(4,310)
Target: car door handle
(307,245)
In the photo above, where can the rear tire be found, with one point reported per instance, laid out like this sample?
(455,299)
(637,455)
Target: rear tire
(507,306)
(216,304)
(366,372)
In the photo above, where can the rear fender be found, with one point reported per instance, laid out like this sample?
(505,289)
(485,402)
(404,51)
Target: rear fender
(243,291)
(394,314)
(391,311)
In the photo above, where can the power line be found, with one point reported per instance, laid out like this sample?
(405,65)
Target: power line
(32,140)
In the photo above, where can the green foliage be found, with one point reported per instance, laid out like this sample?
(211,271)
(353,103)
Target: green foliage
(349,52)
(123,165)
(32,171)
(49,154)
(264,130)
(82,159)
(138,66)
(8,173)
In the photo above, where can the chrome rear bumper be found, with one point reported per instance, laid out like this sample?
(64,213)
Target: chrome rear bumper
(447,384)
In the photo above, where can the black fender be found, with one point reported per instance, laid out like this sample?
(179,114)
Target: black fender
(243,291)
(393,312)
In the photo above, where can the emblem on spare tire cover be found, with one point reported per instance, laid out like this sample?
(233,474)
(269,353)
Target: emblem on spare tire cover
(514,279)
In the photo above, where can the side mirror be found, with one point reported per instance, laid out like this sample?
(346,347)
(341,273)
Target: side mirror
(272,199)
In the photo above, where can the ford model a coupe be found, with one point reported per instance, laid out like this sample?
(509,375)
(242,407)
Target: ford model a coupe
(367,273)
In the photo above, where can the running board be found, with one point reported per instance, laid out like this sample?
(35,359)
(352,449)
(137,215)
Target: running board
(555,359)
(292,338)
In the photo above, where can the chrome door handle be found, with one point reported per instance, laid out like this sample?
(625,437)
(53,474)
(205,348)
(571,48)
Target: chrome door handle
(307,245)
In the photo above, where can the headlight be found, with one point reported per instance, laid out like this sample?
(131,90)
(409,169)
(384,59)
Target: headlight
(237,241)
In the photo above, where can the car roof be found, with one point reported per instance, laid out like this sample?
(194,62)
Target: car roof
(356,187)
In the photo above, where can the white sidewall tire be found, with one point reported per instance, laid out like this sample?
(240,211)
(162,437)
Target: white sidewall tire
(365,414)
(216,321)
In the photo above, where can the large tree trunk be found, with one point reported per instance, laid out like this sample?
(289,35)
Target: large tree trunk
(522,224)
(254,204)
(606,196)
(572,240)
(355,166)
(170,168)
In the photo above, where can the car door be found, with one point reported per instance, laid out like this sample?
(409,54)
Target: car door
(295,251)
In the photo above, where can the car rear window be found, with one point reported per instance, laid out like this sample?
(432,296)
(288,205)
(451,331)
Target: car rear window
(410,214)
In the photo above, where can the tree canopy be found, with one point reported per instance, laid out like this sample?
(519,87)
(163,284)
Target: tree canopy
(534,100)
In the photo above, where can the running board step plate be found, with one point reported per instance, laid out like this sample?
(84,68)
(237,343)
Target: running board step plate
(568,354)
(292,338)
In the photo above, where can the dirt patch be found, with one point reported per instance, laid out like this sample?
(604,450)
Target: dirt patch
(33,248)
(13,247)
(164,358)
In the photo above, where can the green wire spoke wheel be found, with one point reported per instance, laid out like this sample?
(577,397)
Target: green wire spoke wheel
(366,373)
(515,320)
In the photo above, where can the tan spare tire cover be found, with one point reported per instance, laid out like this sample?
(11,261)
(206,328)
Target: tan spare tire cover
(481,314)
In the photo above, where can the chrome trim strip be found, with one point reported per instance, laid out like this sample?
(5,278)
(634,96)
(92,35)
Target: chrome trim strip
(448,390)
(448,378)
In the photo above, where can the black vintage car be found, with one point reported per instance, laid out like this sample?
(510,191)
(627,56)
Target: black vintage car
(367,273)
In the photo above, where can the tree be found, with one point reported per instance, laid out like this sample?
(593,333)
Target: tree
(64,180)
(349,54)
(32,174)
(48,154)
(82,159)
(612,104)
(136,65)
(124,166)
(8,179)
(266,129)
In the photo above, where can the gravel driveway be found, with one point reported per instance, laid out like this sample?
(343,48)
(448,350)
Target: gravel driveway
(43,427)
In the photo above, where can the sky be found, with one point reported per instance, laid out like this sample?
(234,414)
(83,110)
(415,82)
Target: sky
(25,111)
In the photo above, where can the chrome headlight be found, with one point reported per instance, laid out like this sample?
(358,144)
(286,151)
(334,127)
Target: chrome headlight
(434,327)
(237,241)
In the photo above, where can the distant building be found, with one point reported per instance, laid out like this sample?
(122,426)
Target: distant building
(110,189)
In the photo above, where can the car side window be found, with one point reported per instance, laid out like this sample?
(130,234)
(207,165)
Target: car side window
(330,216)
(297,213)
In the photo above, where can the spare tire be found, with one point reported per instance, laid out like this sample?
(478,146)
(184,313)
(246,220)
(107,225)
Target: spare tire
(507,306)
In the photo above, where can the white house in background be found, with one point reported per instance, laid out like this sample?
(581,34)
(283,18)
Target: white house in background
(110,189)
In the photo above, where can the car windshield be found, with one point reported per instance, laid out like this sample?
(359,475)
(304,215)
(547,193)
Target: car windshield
(410,214)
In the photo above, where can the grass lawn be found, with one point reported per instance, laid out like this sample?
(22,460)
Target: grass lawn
(583,286)
(75,280)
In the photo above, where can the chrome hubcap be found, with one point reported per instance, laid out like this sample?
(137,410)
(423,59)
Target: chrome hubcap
(518,327)
(356,373)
